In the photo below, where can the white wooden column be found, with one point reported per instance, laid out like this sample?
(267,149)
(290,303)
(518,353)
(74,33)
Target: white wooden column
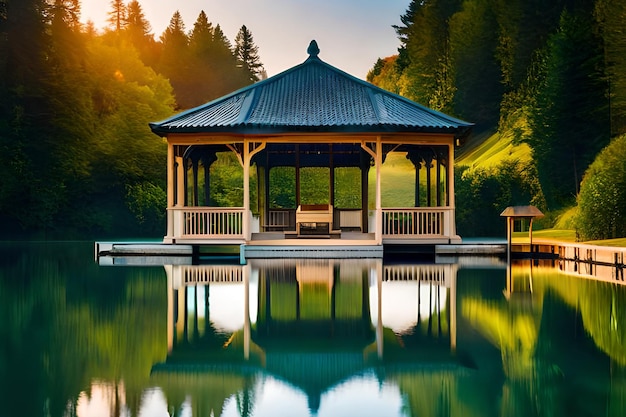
(378,235)
(246,191)
(380,340)
(171,189)
(180,182)
(453,275)
(451,200)
(171,325)
(246,312)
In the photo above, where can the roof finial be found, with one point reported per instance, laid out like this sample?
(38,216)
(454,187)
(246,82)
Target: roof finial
(313,50)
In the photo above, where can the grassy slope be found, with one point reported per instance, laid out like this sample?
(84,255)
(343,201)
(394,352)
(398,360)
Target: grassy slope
(489,150)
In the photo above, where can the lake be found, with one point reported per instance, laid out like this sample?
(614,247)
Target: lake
(318,337)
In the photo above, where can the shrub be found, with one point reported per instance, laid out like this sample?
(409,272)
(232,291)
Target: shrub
(602,198)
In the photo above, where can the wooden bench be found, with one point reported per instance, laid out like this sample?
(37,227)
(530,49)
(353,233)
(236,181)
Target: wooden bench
(312,214)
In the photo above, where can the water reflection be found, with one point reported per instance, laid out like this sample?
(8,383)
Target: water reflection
(305,337)
(313,325)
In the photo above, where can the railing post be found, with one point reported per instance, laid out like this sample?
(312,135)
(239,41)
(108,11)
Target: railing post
(178,217)
(446,223)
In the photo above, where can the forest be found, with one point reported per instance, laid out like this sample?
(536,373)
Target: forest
(77,158)
(544,82)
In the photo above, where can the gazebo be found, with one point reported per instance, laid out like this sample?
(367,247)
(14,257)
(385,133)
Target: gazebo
(311,120)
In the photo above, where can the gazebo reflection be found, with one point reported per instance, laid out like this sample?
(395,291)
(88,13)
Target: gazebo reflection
(312,323)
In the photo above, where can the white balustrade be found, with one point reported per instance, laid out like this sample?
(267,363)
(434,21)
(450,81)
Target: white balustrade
(207,222)
(416,222)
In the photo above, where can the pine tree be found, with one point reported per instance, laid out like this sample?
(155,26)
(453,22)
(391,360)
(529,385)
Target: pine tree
(404,32)
(569,125)
(201,37)
(117,15)
(174,62)
(139,33)
(136,24)
(611,15)
(247,54)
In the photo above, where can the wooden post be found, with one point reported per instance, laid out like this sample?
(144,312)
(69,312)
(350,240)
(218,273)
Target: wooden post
(509,237)
(379,209)
(171,189)
(450,189)
(246,191)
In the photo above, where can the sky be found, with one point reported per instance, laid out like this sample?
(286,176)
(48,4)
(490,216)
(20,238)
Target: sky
(351,34)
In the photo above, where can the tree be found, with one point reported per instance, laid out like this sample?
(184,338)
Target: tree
(602,199)
(247,54)
(385,74)
(429,76)
(201,38)
(139,33)
(117,15)
(569,125)
(404,32)
(174,62)
(475,72)
(611,15)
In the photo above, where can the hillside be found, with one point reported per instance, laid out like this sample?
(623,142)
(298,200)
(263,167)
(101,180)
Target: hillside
(489,150)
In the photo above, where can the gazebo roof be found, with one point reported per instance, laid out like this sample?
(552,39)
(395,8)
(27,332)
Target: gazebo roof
(309,98)
(522,211)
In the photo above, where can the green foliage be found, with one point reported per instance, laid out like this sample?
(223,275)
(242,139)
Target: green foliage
(548,75)
(282,187)
(147,202)
(611,15)
(385,75)
(477,84)
(602,198)
(201,65)
(76,154)
(314,185)
(74,133)
(569,124)
(482,194)
(347,188)
(247,55)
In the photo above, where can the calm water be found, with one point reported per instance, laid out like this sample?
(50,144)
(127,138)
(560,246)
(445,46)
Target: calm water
(304,338)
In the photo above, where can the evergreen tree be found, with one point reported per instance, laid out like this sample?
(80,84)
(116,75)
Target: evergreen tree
(569,119)
(117,15)
(202,56)
(137,27)
(404,33)
(174,62)
(429,77)
(474,69)
(24,115)
(611,15)
(139,33)
(223,47)
(201,38)
(247,54)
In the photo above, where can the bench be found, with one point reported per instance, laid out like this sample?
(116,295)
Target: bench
(310,215)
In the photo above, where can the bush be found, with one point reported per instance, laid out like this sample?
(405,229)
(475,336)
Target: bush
(602,198)
(482,194)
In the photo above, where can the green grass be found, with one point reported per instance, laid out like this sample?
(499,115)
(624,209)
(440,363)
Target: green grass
(491,151)
(569,236)
(562,235)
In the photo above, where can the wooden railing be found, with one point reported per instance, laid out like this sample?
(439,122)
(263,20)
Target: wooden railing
(280,219)
(435,274)
(416,222)
(205,274)
(207,222)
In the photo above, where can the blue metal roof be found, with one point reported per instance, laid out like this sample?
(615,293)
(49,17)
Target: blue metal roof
(311,97)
